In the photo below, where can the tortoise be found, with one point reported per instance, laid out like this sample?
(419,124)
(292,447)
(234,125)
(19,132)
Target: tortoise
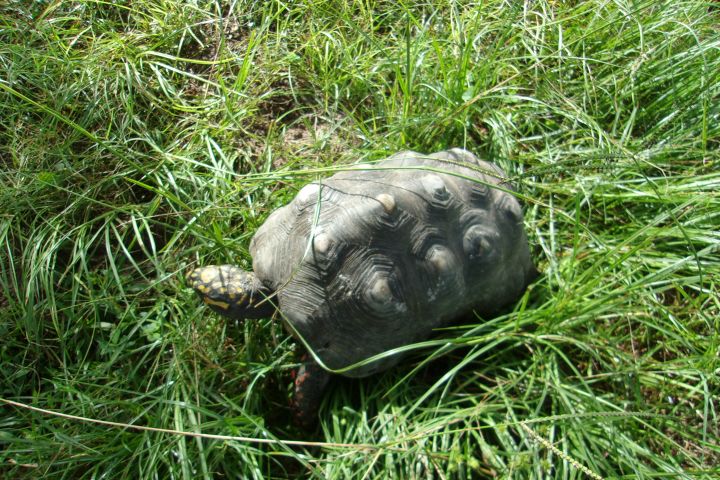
(377,257)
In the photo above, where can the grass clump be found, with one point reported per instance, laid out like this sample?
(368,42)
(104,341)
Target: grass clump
(139,139)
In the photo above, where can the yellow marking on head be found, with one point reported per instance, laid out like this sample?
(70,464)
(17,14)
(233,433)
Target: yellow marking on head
(232,295)
(216,303)
(207,275)
(203,289)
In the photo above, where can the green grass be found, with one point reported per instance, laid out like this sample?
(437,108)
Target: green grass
(138,139)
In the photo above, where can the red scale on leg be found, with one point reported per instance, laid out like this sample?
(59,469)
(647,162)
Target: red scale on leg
(310,381)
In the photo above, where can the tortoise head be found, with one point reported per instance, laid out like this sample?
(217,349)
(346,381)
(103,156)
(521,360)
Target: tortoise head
(231,291)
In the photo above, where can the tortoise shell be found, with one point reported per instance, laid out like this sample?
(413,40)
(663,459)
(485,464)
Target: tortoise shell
(378,256)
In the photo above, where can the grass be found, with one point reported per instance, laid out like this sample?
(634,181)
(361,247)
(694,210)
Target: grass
(138,139)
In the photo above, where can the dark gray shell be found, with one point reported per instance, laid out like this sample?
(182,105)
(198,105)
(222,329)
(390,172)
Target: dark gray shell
(377,257)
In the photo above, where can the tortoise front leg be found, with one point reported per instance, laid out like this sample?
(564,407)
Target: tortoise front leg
(310,383)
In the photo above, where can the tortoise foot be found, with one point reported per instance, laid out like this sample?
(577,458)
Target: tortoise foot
(310,381)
